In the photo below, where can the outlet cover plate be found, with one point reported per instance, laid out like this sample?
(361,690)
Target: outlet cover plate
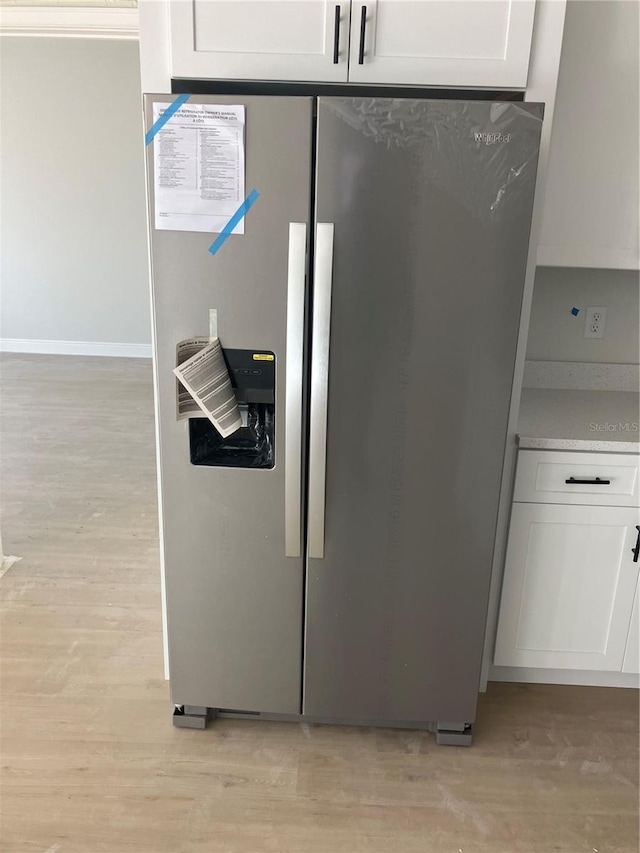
(595,322)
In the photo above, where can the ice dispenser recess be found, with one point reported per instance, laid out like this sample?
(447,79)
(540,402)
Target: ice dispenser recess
(253,376)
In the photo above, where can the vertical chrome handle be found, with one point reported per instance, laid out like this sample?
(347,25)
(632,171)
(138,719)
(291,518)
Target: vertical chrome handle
(363,27)
(323,273)
(336,36)
(293,392)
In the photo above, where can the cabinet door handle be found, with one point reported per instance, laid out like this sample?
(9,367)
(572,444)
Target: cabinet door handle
(336,36)
(635,551)
(363,27)
(595,482)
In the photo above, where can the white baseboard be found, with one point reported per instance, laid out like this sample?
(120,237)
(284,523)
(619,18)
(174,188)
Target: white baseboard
(534,675)
(75,348)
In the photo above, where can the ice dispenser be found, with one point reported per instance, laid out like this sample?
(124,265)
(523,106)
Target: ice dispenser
(253,376)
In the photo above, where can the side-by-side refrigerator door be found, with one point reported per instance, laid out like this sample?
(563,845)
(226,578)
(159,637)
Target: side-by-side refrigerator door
(232,507)
(423,212)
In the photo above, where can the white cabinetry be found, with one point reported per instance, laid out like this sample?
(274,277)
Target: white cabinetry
(571,570)
(441,43)
(631,661)
(260,39)
(569,586)
(559,477)
(592,190)
(471,43)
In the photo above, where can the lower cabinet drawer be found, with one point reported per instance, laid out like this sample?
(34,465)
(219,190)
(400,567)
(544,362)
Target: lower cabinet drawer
(569,586)
(598,479)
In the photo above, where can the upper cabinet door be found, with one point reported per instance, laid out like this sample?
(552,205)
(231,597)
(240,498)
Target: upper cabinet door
(474,43)
(260,39)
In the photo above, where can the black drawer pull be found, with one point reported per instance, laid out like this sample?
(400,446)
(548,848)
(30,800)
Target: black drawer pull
(635,551)
(597,482)
(336,36)
(363,27)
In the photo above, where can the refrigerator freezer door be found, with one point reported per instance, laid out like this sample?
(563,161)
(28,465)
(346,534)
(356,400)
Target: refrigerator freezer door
(234,597)
(431,205)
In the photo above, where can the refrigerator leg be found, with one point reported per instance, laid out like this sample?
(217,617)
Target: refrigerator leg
(454,734)
(192,716)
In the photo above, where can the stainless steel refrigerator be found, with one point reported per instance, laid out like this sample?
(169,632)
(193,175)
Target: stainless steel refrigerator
(337,566)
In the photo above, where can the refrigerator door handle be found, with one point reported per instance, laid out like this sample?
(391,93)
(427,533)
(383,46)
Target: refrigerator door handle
(293,393)
(323,274)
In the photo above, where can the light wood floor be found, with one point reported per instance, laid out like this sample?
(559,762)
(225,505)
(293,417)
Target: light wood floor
(90,760)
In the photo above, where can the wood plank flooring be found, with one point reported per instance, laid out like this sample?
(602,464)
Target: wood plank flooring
(90,760)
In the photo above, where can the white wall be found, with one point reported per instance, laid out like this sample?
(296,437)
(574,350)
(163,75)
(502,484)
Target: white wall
(556,335)
(74,257)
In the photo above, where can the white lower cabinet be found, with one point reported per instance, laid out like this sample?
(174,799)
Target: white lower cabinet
(569,588)
(631,661)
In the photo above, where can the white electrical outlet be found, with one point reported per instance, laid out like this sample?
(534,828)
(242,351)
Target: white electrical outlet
(595,323)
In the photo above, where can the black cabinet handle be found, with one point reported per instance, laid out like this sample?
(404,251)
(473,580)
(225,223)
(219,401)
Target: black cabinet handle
(336,36)
(596,482)
(363,27)
(635,551)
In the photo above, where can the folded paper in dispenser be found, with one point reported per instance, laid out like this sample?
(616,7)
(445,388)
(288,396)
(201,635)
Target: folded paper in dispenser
(186,406)
(206,378)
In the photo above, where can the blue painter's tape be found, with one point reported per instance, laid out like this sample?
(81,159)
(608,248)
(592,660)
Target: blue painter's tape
(231,224)
(164,118)
(575,311)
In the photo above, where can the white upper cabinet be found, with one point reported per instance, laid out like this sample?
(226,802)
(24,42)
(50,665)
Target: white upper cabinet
(464,43)
(260,39)
(470,43)
(591,203)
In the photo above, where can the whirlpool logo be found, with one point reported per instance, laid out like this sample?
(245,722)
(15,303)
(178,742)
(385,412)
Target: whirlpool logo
(492,138)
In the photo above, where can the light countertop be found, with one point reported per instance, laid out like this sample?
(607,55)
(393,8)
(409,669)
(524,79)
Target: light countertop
(559,419)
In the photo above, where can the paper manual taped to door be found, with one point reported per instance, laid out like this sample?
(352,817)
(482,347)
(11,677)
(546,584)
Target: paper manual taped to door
(198,167)
(206,378)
